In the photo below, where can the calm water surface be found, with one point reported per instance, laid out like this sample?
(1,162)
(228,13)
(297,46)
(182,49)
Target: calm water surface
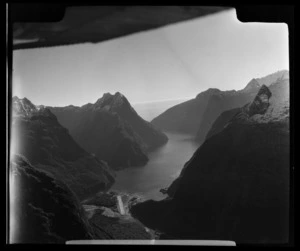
(165,164)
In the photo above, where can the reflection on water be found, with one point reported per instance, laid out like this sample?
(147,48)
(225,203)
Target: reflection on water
(165,164)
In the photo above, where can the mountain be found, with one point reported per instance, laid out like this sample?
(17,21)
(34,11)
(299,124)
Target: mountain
(272,78)
(236,185)
(222,102)
(37,135)
(279,92)
(197,115)
(185,117)
(253,84)
(112,130)
(43,209)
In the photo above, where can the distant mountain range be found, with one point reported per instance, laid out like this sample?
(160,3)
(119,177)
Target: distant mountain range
(112,130)
(197,115)
(236,185)
(37,135)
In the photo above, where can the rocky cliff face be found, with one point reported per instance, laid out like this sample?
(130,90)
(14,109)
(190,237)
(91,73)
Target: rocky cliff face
(236,185)
(197,116)
(277,93)
(37,135)
(224,101)
(42,208)
(274,77)
(261,102)
(112,130)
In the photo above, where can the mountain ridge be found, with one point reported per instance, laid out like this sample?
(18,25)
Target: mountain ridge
(197,115)
(37,135)
(112,130)
(236,185)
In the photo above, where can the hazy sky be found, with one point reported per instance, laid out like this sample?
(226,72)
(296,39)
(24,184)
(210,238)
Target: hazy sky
(173,62)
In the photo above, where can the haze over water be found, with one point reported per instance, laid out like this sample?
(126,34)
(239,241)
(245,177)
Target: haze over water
(150,110)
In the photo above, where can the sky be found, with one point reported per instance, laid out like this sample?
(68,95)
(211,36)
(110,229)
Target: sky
(177,61)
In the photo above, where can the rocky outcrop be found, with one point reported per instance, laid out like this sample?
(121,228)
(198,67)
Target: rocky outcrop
(222,102)
(277,94)
(261,102)
(112,130)
(253,84)
(37,135)
(197,116)
(222,121)
(236,185)
(42,208)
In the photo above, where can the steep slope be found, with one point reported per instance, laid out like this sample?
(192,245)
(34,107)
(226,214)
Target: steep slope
(112,130)
(196,116)
(236,185)
(274,77)
(279,90)
(43,209)
(226,100)
(222,121)
(37,135)
(253,84)
(185,117)
(222,102)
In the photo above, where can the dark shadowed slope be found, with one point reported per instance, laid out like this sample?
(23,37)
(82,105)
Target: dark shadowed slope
(222,102)
(196,116)
(185,117)
(43,209)
(37,135)
(236,186)
(112,130)
(279,90)
(229,100)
